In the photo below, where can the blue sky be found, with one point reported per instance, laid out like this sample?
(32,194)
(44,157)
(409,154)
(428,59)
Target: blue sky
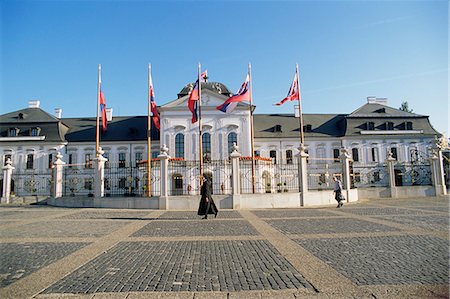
(346,51)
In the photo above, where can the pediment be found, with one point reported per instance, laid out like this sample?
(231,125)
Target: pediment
(210,100)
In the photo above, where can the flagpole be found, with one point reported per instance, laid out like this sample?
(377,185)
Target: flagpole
(149,128)
(251,127)
(199,105)
(302,137)
(97,125)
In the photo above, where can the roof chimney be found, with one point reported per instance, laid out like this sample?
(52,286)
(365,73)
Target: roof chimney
(58,112)
(375,100)
(34,104)
(109,112)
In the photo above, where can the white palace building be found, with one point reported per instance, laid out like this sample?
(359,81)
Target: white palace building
(31,139)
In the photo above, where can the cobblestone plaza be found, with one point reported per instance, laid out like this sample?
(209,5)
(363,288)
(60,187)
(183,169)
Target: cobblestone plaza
(373,249)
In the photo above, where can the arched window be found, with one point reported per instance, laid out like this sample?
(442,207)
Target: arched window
(179,145)
(289,157)
(232,138)
(206,146)
(273,155)
(355,154)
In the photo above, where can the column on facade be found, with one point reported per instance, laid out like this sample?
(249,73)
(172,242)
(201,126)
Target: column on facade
(302,174)
(164,168)
(437,171)
(7,177)
(345,163)
(391,172)
(58,168)
(99,178)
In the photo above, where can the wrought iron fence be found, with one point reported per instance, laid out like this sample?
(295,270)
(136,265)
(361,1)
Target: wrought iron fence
(412,174)
(122,179)
(184,176)
(285,178)
(78,181)
(32,183)
(369,175)
(321,172)
(264,175)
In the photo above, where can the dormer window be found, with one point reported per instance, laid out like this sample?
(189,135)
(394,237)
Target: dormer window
(408,125)
(35,131)
(308,128)
(13,132)
(370,125)
(277,128)
(389,126)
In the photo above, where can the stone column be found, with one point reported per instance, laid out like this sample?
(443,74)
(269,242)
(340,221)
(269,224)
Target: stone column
(7,176)
(437,171)
(390,167)
(302,174)
(58,167)
(345,163)
(164,168)
(99,178)
(236,177)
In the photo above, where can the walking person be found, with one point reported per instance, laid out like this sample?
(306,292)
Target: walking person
(338,192)
(207,205)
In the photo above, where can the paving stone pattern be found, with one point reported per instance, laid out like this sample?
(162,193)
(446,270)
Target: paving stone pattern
(193,215)
(184,266)
(124,215)
(210,227)
(327,226)
(20,260)
(431,222)
(383,211)
(296,213)
(60,228)
(24,214)
(385,260)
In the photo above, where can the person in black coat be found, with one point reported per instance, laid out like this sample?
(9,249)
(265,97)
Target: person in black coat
(207,205)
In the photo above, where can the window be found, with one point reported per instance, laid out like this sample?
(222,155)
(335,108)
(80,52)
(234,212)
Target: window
(394,153)
(106,156)
(414,154)
(13,132)
(30,161)
(257,154)
(408,125)
(206,146)
(34,132)
(308,128)
(232,138)
(50,160)
(6,157)
(289,159)
(88,161)
(355,154)
(273,155)
(122,160)
(374,154)
(138,157)
(70,160)
(370,126)
(179,145)
(277,128)
(389,126)
(336,153)
(154,155)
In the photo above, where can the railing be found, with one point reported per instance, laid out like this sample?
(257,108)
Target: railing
(412,174)
(78,182)
(369,175)
(264,175)
(184,176)
(285,178)
(31,183)
(321,172)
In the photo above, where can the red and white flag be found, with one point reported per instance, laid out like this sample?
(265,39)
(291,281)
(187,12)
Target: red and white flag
(153,107)
(294,92)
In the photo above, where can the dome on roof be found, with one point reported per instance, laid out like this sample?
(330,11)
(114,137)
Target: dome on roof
(213,86)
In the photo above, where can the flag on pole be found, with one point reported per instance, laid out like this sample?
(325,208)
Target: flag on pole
(293,94)
(156,118)
(103,107)
(242,94)
(194,96)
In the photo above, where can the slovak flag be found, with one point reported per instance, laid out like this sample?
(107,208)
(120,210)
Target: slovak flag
(243,94)
(194,97)
(103,108)
(294,92)
(154,109)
